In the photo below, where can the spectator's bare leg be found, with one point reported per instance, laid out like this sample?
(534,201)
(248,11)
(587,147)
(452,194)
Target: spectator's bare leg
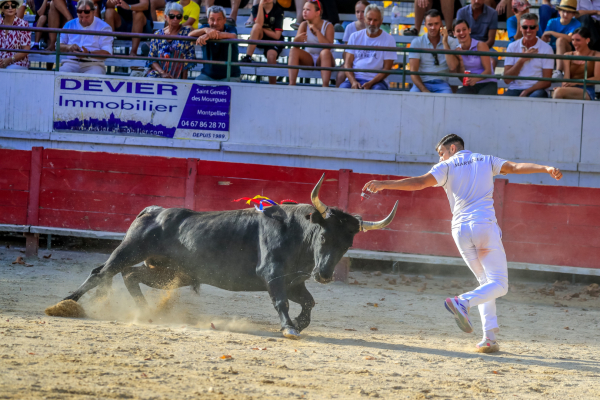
(155,5)
(98,11)
(272,59)
(235,6)
(53,22)
(571,93)
(255,34)
(61,7)
(112,18)
(139,20)
(325,60)
(298,57)
(40,24)
(208,4)
(420,14)
(299,6)
(448,12)
(250,17)
(562,46)
(341,76)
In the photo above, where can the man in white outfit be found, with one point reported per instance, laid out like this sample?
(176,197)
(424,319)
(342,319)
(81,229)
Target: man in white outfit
(468,179)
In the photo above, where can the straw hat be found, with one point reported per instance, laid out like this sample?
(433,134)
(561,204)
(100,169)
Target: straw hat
(568,5)
(20,2)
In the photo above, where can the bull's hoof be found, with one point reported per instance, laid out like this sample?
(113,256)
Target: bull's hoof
(291,333)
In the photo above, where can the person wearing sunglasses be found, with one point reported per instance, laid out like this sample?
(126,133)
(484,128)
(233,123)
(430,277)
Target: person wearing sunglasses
(171,49)
(436,38)
(533,67)
(86,45)
(129,16)
(17,40)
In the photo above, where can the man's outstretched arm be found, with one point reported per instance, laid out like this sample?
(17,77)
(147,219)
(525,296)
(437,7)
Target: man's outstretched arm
(410,184)
(510,167)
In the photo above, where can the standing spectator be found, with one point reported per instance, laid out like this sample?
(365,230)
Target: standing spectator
(436,38)
(85,44)
(422,7)
(358,25)
(171,49)
(537,67)
(268,25)
(129,16)
(483,21)
(513,28)
(589,11)
(576,69)
(372,36)
(214,51)
(15,40)
(312,30)
(474,64)
(558,32)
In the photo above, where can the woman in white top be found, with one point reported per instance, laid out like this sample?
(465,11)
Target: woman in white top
(358,25)
(313,30)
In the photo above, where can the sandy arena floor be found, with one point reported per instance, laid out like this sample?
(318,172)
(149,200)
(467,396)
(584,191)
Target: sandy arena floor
(375,338)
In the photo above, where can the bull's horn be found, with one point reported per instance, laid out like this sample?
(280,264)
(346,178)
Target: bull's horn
(314,196)
(369,226)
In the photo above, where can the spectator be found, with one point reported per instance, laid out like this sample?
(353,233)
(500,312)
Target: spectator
(358,25)
(61,12)
(483,21)
(372,36)
(285,4)
(42,8)
(536,67)
(268,25)
(576,69)
(513,28)
(422,7)
(231,20)
(191,11)
(171,49)
(14,40)
(217,29)
(436,38)
(474,64)
(589,11)
(129,16)
(558,32)
(312,30)
(85,44)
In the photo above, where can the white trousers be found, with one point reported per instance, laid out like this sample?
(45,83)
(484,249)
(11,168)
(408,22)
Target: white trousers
(83,67)
(480,244)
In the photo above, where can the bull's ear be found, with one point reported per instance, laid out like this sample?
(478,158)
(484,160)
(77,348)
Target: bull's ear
(317,218)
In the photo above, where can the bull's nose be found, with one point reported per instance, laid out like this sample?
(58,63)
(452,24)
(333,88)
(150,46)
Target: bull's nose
(322,279)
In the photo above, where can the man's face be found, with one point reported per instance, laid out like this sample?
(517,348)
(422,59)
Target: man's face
(477,4)
(446,152)
(565,16)
(433,25)
(217,21)
(85,19)
(529,28)
(373,20)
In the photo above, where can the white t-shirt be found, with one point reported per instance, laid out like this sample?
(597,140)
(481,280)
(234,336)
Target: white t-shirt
(531,68)
(350,29)
(468,181)
(90,42)
(370,59)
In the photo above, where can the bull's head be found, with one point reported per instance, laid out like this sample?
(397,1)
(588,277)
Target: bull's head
(337,234)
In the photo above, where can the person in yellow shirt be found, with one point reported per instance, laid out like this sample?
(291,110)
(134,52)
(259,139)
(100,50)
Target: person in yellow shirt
(191,13)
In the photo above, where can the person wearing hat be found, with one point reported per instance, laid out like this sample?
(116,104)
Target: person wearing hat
(589,16)
(513,28)
(558,31)
(17,40)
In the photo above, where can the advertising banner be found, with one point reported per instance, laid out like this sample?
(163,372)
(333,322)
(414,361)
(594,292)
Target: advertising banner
(145,107)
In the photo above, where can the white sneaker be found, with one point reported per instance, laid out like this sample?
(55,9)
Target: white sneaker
(460,312)
(487,346)
(557,74)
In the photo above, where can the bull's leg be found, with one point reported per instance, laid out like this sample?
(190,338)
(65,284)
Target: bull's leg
(104,288)
(300,294)
(277,292)
(124,256)
(157,278)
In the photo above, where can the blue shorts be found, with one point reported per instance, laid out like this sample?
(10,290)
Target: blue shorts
(590,89)
(381,85)
(434,86)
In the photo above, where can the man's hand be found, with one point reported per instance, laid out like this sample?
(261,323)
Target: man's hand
(526,60)
(368,85)
(547,36)
(201,41)
(74,48)
(373,186)
(554,172)
(356,85)
(501,7)
(525,93)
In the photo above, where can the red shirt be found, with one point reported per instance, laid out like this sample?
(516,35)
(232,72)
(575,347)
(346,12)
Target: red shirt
(15,40)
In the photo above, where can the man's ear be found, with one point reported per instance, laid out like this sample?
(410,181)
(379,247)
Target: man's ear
(317,218)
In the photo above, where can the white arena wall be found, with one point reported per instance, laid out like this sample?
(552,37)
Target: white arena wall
(369,132)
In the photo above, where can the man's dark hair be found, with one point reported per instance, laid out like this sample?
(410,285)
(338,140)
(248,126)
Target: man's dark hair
(433,13)
(451,139)
(530,17)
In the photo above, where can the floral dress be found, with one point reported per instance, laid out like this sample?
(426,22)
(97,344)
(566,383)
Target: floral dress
(172,49)
(15,40)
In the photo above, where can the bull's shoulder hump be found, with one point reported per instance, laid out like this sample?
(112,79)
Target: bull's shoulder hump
(149,210)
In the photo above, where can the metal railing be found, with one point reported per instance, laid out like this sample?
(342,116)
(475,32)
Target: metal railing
(229,63)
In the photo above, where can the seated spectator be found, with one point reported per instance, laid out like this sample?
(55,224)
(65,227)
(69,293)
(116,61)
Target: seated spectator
(474,64)
(358,25)
(217,29)
(171,49)
(42,8)
(576,69)
(513,28)
(191,11)
(268,25)
(16,40)
(129,16)
(446,7)
(483,21)
(436,38)
(60,12)
(589,16)
(536,67)
(558,32)
(231,20)
(372,36)
(85,44)
(312,30)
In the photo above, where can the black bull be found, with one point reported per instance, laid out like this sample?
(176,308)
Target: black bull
(242,250)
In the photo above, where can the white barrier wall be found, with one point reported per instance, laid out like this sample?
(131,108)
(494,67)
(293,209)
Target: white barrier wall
(366,131)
